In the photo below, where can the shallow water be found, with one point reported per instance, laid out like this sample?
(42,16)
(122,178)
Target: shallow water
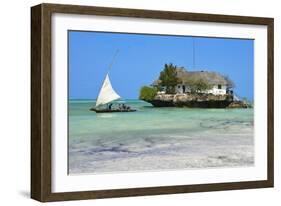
(158,138)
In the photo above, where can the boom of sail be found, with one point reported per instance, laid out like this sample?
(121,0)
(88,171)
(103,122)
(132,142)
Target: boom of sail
(107,93)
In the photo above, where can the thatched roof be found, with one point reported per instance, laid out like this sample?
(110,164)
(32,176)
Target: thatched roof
(185,76)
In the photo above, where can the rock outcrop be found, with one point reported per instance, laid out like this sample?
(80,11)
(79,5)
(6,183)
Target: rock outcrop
(196,101)
(239,104)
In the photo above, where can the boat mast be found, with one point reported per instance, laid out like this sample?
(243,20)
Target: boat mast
(112,61)
(109,67)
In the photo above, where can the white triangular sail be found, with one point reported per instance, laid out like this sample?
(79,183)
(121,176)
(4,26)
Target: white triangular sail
(107,93)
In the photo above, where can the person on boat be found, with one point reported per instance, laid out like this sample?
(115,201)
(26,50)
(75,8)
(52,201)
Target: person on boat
(109,106)
(125,107)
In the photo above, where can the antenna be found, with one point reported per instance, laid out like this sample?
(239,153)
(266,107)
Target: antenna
(193,44)
(113,59)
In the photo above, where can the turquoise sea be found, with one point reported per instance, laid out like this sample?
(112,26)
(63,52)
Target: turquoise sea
(153,139)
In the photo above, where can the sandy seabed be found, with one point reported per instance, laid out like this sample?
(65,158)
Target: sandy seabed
(201,150)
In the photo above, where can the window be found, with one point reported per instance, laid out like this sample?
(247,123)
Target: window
(219,86)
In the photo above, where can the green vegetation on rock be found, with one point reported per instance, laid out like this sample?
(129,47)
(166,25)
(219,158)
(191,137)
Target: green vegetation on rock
(147,93)
(168,78)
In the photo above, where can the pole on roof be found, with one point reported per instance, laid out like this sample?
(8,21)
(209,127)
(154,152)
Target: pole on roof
(193,47)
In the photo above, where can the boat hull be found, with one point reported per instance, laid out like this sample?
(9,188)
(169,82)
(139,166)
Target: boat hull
(112,110)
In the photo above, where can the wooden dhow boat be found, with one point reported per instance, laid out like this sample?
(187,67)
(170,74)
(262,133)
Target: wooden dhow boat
(106,96)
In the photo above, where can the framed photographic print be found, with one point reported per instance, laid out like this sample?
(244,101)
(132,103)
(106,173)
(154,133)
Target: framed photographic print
(130,102)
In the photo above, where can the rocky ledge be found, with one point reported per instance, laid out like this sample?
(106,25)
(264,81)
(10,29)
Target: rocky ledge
(196,101)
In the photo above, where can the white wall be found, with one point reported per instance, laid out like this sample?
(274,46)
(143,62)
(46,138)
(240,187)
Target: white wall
(179,89)
(215,90)
(15,103)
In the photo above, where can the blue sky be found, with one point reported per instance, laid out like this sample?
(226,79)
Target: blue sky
(142,57)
